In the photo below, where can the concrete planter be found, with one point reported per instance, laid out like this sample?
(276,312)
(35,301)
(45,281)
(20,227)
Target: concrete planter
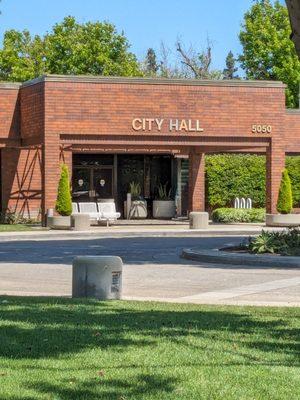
(164,209)
(138,209)
(59,222)
(284,220)
(80,222)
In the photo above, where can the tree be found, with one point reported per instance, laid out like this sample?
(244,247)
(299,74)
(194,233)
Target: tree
(22,56)
(268,52)
(294,13)
(70,48)
(151,66)
(285,197)
(64,200)
(230,70)
(198,64)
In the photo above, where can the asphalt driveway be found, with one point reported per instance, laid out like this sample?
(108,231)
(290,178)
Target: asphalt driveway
(153,270)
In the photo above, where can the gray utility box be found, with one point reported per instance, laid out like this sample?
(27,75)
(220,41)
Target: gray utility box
(99,277)
(198,220)
(80,222)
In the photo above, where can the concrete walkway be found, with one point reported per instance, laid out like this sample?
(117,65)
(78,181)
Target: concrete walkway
(146,229)
(153,270)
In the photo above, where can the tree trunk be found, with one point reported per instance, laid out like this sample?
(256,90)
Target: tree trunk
(294,12)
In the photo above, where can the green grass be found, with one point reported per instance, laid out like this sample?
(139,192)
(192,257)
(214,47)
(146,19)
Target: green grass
(16,228)
(62,349)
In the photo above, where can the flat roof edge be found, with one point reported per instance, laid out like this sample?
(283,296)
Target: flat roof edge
(10,85)
(153,81)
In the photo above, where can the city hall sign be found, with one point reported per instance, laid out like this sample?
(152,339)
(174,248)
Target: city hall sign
(173,125)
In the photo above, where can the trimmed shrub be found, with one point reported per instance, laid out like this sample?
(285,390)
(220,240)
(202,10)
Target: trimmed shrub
(231,215)
(235,175)
(285,197)
(243,175)
(64,201)
(293,166)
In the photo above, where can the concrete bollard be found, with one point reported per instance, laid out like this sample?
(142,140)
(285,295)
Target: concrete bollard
(198,220)
(80,222)
(99,277)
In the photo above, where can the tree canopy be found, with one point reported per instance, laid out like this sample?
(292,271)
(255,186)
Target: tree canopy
(268,52)
(94,48)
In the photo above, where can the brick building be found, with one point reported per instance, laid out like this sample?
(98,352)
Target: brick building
(112,131)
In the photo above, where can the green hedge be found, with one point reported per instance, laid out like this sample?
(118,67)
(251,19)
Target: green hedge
(228,215)
(243,175)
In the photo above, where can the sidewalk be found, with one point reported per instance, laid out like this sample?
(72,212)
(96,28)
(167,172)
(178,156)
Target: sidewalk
(149,229)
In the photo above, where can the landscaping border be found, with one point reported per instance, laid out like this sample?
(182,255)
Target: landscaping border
(215,256)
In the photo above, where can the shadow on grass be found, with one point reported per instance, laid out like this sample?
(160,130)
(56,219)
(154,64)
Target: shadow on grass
(36,328)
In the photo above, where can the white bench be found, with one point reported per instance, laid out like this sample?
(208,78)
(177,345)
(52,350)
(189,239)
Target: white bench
(99,212)
(108,212)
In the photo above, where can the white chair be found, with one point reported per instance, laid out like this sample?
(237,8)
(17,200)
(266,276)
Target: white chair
(108,212)
(89,208)
(74,208)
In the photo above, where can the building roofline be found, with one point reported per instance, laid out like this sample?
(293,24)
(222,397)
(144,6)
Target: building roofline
(153,81)
(10,85)
(293,111)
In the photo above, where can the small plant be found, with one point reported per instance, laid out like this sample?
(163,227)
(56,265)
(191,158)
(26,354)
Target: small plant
(163,192)
(286,243)
(285,196)
(64,200)
(231,215)
(135,190)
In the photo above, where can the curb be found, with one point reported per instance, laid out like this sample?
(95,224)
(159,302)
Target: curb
(216,256)
(84,235)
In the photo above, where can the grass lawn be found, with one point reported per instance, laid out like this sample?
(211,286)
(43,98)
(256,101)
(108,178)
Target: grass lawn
(16,228)
(63,349)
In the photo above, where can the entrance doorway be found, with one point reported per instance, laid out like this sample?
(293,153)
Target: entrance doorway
(93,177)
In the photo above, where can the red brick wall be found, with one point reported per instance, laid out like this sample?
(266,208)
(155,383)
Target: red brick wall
(32,111)
(21,181)
(9,112)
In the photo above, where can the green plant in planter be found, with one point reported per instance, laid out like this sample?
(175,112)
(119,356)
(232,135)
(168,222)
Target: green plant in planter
(64,201)
(163,192)
(135,190)
(285,196)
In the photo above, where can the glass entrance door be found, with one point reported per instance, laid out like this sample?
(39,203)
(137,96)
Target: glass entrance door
(92,183)
(103,183)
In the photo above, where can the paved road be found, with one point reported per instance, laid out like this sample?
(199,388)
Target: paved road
(153,270)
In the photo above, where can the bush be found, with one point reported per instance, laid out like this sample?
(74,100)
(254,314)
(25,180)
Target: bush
(235,175)
(64,201)
(243,175)
(285,197)
(230,215)
(14,218)
(293,167)
(284,243)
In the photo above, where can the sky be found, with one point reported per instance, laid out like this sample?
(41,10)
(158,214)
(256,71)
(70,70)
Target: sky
(146,23)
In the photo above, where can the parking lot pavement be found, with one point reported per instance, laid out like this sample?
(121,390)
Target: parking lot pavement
(153,270)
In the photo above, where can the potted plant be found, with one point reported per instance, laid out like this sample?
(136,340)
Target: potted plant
(284,205)
(164,205)
(63,205)
(138,206)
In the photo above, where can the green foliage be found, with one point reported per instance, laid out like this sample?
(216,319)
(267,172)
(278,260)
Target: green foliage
(268,52)
(163,193)
(234,175)
(151,67)
(231,215)
(64,200)
(285,196)
(230,71)
(135,190)
(285,243)
(70,48)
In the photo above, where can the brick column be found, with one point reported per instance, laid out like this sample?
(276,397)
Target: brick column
(51,172)
(275,163)
(196,181)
